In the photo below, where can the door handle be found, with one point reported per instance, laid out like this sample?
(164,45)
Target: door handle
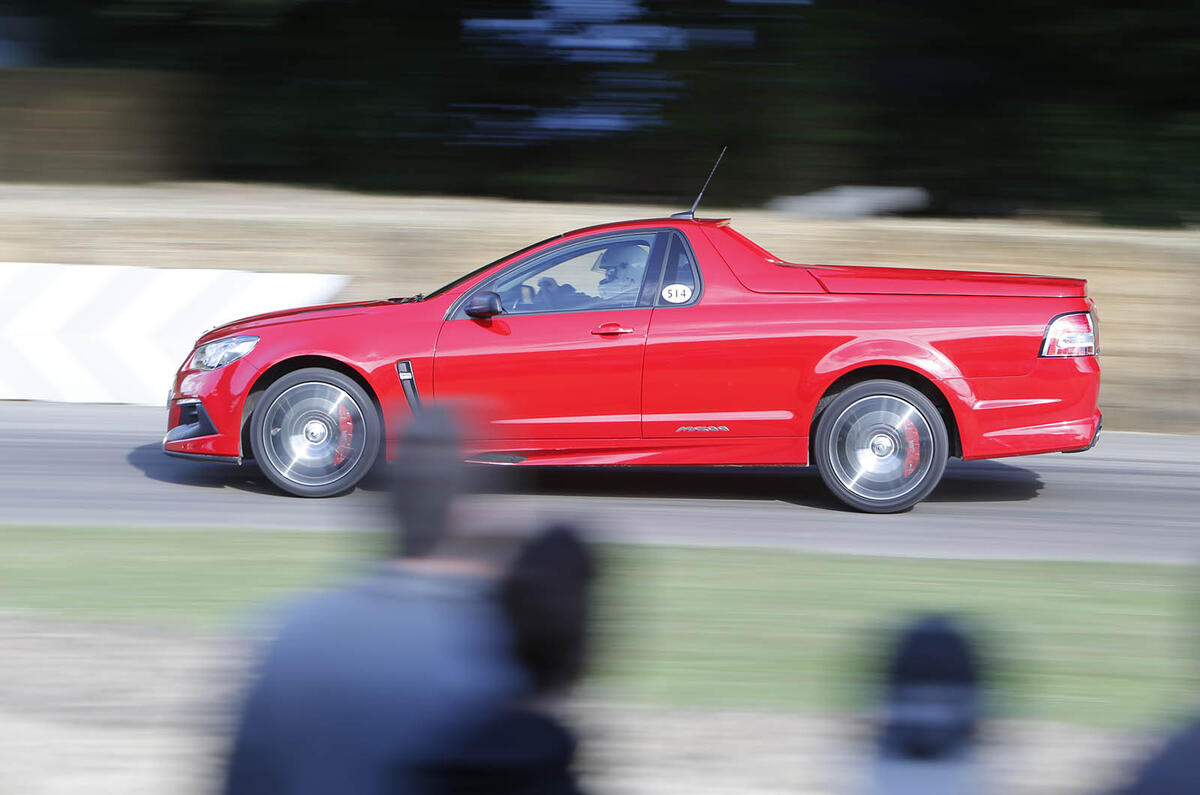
(611,328)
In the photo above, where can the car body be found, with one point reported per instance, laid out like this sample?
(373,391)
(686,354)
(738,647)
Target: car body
(722,355)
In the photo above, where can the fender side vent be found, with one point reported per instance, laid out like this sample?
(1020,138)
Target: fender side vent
(408,383)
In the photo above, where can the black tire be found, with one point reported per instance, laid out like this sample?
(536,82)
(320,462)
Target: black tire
(881,446)
(315,433)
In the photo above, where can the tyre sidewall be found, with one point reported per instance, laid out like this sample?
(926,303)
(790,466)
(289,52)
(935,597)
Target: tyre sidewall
(825,429)
(374,431)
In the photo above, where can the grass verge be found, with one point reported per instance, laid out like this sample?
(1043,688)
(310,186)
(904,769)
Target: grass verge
(1103,644)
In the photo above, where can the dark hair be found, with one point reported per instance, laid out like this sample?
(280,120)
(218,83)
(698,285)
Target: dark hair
(934,681)
(545,596)
(425,481)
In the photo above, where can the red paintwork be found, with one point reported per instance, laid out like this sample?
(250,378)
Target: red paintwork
(914,281)
(750,359)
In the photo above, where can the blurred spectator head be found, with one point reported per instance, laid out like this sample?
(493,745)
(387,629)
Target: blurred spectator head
(426,479)
(933,682)
(545,595)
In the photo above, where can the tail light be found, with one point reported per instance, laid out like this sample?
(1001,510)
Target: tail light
(1070,335)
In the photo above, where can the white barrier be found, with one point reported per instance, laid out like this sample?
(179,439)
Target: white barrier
(113,334)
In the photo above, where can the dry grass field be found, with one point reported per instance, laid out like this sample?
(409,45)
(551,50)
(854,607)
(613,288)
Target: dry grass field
(1147,282)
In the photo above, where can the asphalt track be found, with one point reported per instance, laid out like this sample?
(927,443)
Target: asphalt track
(1135,497)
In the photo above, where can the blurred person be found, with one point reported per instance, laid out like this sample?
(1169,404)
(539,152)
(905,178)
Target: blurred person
(524,749)
(366,683)
(931,712)
(1174,769)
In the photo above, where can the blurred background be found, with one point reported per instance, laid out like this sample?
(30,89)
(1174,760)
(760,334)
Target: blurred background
(1072,109)
(396,145)
(402,144)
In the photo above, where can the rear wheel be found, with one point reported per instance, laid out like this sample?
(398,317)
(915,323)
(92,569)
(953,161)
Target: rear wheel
(315,433)
(881,446)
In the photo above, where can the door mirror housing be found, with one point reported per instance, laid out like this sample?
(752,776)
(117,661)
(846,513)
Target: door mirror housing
(484,304)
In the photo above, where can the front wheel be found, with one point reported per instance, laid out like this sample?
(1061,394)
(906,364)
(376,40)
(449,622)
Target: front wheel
(315,433)
(881,446)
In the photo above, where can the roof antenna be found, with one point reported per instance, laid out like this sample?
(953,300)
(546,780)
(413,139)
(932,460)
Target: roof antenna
(692,212)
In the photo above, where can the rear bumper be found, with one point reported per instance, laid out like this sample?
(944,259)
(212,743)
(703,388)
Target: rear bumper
(1054,409)
(1095,436)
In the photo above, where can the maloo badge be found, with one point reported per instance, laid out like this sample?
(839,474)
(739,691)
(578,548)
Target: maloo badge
(700,428)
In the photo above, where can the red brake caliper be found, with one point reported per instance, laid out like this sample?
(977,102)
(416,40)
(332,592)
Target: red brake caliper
(913,441)
(345,436)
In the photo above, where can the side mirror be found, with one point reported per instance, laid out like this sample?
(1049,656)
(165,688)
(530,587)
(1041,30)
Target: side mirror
(484,304)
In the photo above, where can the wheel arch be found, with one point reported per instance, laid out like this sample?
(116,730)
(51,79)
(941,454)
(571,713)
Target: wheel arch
(281,368)
(889,372)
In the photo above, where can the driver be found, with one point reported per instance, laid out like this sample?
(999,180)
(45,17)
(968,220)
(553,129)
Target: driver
(623,266)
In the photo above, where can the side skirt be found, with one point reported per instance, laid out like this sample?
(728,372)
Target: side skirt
(757,451)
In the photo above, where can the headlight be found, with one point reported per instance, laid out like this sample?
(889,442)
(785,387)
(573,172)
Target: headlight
(219,353)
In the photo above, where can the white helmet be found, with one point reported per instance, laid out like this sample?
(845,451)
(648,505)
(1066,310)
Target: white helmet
(623,266)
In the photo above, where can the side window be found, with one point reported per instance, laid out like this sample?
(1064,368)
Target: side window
(597,274)
(679,284)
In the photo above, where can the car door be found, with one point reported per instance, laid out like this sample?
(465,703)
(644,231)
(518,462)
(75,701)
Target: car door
(564,358)
(716,370)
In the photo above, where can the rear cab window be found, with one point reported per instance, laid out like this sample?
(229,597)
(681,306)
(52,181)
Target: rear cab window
(679,284)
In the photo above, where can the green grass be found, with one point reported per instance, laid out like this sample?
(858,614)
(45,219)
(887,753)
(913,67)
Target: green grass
(1093,643)
(1104,644)
(190,579)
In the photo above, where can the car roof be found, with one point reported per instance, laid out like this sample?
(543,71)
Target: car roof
(643,223)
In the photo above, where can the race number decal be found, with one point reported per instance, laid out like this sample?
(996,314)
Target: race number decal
(676,293)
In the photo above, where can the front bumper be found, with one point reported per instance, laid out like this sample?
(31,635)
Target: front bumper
(190,429)
(188,419)
(216,459)
(191,432)
(204,412)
